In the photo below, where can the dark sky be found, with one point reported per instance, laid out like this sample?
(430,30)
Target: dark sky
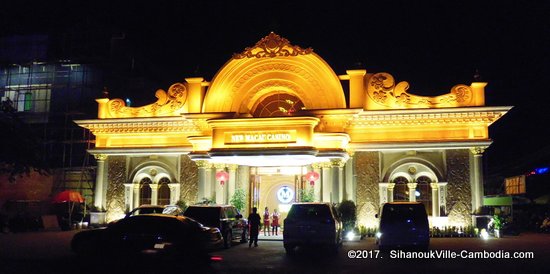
(431,44)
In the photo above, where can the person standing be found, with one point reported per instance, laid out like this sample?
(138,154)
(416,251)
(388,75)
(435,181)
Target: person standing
(254,222)
(274,222)
(266,221)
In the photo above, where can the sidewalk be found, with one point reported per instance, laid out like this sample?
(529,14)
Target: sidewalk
(279,237)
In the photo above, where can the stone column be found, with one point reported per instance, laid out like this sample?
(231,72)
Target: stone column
(350,184)
(435,199)
(412,191)
(136,195)
(338,192)
(231,182)
(129,196)
(477,180)
(390,192)
(204,182)
(174,193)
(326,182)
(154,193)
(100,193)
(220,190)
(383,192)
(317,187)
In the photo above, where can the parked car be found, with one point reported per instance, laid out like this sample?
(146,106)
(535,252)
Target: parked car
(224,217)
(156,209)
(312,224)
(403,225)
(156,234)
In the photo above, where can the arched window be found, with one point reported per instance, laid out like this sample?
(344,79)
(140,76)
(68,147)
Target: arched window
(145,191)
(164,192)
(424,192)
(400,190)
(277,105)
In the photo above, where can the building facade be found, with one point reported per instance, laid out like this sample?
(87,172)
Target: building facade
(275,123)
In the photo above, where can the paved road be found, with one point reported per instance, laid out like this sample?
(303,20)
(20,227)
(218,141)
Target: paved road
(48,252)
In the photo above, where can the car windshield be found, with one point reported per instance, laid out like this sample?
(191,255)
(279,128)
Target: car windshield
(311,211)
(208,216)
(395,214)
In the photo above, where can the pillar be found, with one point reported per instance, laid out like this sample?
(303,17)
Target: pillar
(412,191)
(383,192)
(338,192)
(326,182)
(136,195)
(100,192)
(174,193)
(317,197)
(356,87)
(390,192)
(196,94)
(203,190)
(478,90)
(231,182)
(350,183)
(435,199)
(220,191)
(128,196)
(477,178)
(154,193)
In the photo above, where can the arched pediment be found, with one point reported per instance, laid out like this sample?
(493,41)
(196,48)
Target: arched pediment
(271,66)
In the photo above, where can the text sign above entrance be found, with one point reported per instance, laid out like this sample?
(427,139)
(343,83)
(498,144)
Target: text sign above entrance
(260,137)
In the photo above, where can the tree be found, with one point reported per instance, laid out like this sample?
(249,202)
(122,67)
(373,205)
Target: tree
(238,199)
(348,212)
(20,146)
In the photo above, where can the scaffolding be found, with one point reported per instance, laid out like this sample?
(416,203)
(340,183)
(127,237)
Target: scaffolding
(50,96)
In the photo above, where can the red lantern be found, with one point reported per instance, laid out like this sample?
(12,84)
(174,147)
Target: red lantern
(222,176)
(312,176)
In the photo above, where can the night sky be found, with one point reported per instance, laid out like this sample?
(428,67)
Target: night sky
(431,44)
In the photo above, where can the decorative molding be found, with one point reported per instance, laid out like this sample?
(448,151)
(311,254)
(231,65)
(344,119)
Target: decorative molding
(100,157)
(338,162)
(168,104)
(477,151)
(382,90)
(271,46)
(203,164)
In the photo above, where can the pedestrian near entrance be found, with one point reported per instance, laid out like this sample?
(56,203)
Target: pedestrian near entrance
(254,222)
(266,221)
(274,222)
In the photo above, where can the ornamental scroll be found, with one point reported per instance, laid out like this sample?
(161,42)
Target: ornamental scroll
(384,93)
(272,45)
(168,104)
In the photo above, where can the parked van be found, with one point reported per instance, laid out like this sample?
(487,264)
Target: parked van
(309,224)
(403,225)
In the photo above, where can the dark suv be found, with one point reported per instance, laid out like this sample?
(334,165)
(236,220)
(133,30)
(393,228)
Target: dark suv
(225,217)
(312,224)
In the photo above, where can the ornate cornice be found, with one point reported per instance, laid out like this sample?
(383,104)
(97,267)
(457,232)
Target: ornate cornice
(383,91)
(191,127)
(271,46)
(168,104)
(409,117)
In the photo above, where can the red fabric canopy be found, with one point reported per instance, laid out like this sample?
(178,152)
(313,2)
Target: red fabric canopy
(68,196)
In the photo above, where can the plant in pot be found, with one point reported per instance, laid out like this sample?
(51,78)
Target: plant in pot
(497,224)
(348,213)
(97,216)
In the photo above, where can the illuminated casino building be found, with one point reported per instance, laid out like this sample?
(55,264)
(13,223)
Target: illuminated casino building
(274,122)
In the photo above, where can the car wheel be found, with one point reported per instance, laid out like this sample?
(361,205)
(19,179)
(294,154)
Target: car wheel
(227,239)
(244,237)
(289,249)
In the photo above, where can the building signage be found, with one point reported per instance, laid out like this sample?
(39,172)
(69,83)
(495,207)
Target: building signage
(260,137)
(285,194)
